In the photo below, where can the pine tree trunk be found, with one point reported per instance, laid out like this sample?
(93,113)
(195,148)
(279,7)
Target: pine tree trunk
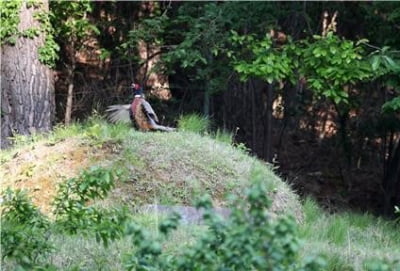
(27,87)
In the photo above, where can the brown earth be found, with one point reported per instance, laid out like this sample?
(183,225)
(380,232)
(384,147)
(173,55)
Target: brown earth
(39,169)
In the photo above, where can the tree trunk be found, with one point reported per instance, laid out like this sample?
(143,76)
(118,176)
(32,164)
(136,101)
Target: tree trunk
(206,104)
(27,87)
(268,125)
(70,95)
(391,181)
(68,108)
(254,118)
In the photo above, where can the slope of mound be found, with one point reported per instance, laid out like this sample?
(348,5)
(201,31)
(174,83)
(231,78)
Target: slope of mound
(162,168)
(40,167)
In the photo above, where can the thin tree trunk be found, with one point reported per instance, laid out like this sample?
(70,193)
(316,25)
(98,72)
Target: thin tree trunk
(70,95)
(268,125)
(254,118)
(27,87)
(68,109)
(206,104)
(391,181)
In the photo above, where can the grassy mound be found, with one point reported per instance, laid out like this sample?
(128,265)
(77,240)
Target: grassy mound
(173,169)
(163,168)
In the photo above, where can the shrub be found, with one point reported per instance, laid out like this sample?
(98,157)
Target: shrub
(247,240)
(72,214)
(24,230)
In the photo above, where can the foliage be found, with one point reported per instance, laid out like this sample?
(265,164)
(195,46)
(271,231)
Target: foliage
(24,230)
(385,63)
(330,64)
(66,22)
(248,239)
(392,105)
(69,26)
(72,214)
(199,46)
(70,22)
(149,30)
(9,20)
(269,62)
(48,52)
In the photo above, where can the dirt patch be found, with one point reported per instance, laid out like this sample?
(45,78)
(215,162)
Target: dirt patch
(40,168)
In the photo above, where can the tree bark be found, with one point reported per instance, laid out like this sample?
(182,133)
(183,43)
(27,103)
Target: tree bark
(268,124)
(391,181)
(68,109)
(27,87)
(70,95)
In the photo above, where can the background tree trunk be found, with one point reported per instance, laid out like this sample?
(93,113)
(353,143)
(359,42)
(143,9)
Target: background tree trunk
(268,124)
(27,87)
(391,181)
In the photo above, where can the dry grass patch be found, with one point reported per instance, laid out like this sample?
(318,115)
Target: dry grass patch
(39,168)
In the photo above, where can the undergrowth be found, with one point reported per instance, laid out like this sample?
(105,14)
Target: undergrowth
(249,238)
(87,236)
(351,241)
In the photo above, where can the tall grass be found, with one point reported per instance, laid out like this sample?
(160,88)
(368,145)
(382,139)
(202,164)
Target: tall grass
(349,240)
(202,125)
(194,123)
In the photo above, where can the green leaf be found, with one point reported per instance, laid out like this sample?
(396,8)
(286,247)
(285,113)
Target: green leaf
(376,60)
(392,105)
(391,64)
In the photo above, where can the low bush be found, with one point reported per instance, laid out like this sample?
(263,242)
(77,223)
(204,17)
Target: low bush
(248,240)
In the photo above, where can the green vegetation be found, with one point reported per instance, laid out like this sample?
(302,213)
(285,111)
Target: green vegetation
(194,123)
(289,78)
(350,241)
(9,20)
(236,62)
(111,233)
(202,125)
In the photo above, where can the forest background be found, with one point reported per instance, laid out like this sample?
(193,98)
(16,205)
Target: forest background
(312,87)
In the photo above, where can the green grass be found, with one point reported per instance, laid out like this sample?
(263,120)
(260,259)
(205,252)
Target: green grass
(175,168)
(348,240)
(194,123)
(198,124)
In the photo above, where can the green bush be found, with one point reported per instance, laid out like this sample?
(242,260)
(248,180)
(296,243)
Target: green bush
(24,230)
(72,214)
(248,240)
